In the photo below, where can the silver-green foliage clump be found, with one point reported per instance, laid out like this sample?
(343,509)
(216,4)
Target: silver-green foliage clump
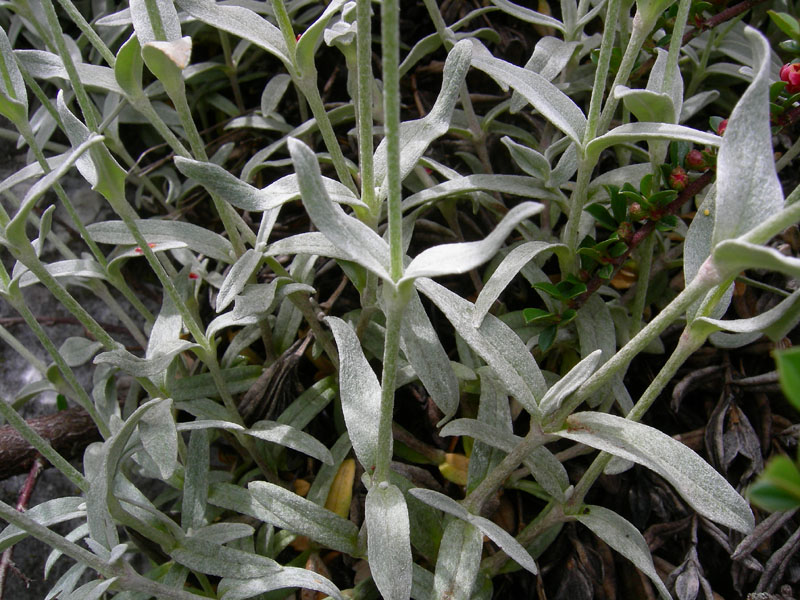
(220,531)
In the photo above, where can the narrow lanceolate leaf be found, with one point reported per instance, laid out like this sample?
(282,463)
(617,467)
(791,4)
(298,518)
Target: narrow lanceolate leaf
(214,559)
(505,272)
(389,541)
(625,539)
(241,22)
(290,437)
(145,367)
(775,322)
(458,562)
(155,231)
(559,391)
(494,342)
(423,349)
(446,259)
(359,243)
(303,516)
(160,438)
(360,393)
(416,136)
(526,14)
(546,469)
(552,103)
(237,278)
(697,481)
(286,577)
(496,533)
(635,132)
(13,95)
(47,513)
(155,20)
(223,183)
(747,184)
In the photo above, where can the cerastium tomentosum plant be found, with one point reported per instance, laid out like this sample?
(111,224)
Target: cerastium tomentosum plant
(214,373)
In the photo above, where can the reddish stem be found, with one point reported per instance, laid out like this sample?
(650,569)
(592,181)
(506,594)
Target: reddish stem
(641,234)
(6,562)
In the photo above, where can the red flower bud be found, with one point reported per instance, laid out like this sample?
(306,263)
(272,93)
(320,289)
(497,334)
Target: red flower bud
(695,160)
(790,73)
(635,211)
(722,126)
(193,276)
(678,179)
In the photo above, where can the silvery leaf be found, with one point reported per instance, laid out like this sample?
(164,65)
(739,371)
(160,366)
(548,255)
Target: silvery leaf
(526,14)
(512,264)
(417,135)
(697,481)
(41,64)
(197,238)
(424,351)
(624,538)
(517,185)
(635,132)
(303,516)
(151,366)
(360,393)
(160,438)
(286,577)
(570,382)
(47,513)
(164,14)
(13,93)
(241,22)
(237,278)
(747,184)
(359,243)
(496,533)
(214,559)
(389,541)
(495,342)
(446,259)
(552,103)
(458,562)
(288,436)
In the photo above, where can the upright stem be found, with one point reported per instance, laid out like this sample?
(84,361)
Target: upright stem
(364,100)
(689,342)
(396,301)
(390,37)
(598,91)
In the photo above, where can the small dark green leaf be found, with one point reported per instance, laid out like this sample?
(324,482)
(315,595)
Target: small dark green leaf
(547,337)
(601,214)
(550,289)
(778,487)
(537,315)
(786,23)
(789,374)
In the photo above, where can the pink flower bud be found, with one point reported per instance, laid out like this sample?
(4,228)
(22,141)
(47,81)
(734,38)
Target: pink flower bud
(790,73)
(722,126)
(678,179)
(695,160)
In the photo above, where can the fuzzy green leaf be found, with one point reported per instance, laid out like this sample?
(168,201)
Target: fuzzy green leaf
(458,562)
(388,541)
(299,515)
(701,486)
(360,393)
(747,183)
(624,538)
